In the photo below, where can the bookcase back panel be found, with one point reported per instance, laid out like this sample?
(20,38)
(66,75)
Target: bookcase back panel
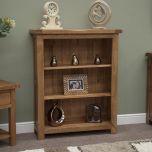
(84,49)
(99,80)
(75,110)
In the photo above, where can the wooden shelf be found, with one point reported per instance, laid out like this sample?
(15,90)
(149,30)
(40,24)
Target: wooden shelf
(78,67)
(5,106)
(90,95)
(78,127)
(4,134)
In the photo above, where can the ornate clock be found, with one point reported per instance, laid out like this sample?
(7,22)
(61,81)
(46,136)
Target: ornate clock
(99,13)
(51,10)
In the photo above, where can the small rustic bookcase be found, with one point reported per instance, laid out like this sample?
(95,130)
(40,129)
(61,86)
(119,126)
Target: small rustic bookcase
(102,78)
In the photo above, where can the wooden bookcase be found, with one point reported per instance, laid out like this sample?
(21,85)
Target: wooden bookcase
(102,79)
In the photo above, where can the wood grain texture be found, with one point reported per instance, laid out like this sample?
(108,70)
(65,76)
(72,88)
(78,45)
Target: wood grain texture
(102,79)
(75,109)
(12,119)
(39,64)
(75,31)
(96,77)
(8,85)
(5,98)
(8,101)
(89,95)
(6,106)
(114,83)
(149,89)
(77,67)
(78,127)
(4,134)
(84,49)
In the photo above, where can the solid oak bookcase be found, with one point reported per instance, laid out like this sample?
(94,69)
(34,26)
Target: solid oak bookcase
(102,78)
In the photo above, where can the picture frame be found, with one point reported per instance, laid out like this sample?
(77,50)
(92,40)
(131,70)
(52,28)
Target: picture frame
(75,84)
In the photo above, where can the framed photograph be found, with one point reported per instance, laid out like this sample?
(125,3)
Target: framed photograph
(75,84)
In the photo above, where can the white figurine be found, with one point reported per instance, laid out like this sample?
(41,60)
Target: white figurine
(51,16)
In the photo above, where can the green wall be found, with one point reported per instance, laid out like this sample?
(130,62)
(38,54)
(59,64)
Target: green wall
(134,17)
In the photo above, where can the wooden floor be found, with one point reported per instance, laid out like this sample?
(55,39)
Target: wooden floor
(125,132)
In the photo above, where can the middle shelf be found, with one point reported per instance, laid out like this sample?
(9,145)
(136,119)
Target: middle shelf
(96,82)
(89,95)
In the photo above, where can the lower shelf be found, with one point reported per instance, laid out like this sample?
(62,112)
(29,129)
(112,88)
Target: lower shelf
(78,127)
(4,134)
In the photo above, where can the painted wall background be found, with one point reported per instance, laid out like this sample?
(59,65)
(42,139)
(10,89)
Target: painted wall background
(16,50)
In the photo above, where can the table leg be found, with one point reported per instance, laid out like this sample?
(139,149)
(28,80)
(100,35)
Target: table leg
(12,119)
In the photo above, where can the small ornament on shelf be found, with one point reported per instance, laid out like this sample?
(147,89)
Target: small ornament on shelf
(97,60)
(51,16)
(94,113)
(53,62)
(99,13)
(56,115)
(75,60)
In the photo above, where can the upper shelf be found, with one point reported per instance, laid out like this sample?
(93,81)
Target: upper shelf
(77,67)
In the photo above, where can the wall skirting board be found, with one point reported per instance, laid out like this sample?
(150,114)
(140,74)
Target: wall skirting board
(131,118)
(27,127)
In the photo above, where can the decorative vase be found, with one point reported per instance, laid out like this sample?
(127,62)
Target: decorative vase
(97,60)
(53,61)
(56,115)
(75,60)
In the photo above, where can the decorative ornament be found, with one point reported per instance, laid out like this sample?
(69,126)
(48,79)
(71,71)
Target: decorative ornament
(51,10)
(97,60)
(99,13)
(56,115)
(75,60)
(93,113)
(53,61)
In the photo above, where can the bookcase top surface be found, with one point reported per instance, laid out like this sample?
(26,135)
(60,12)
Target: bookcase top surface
(4,85)
(75,31)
